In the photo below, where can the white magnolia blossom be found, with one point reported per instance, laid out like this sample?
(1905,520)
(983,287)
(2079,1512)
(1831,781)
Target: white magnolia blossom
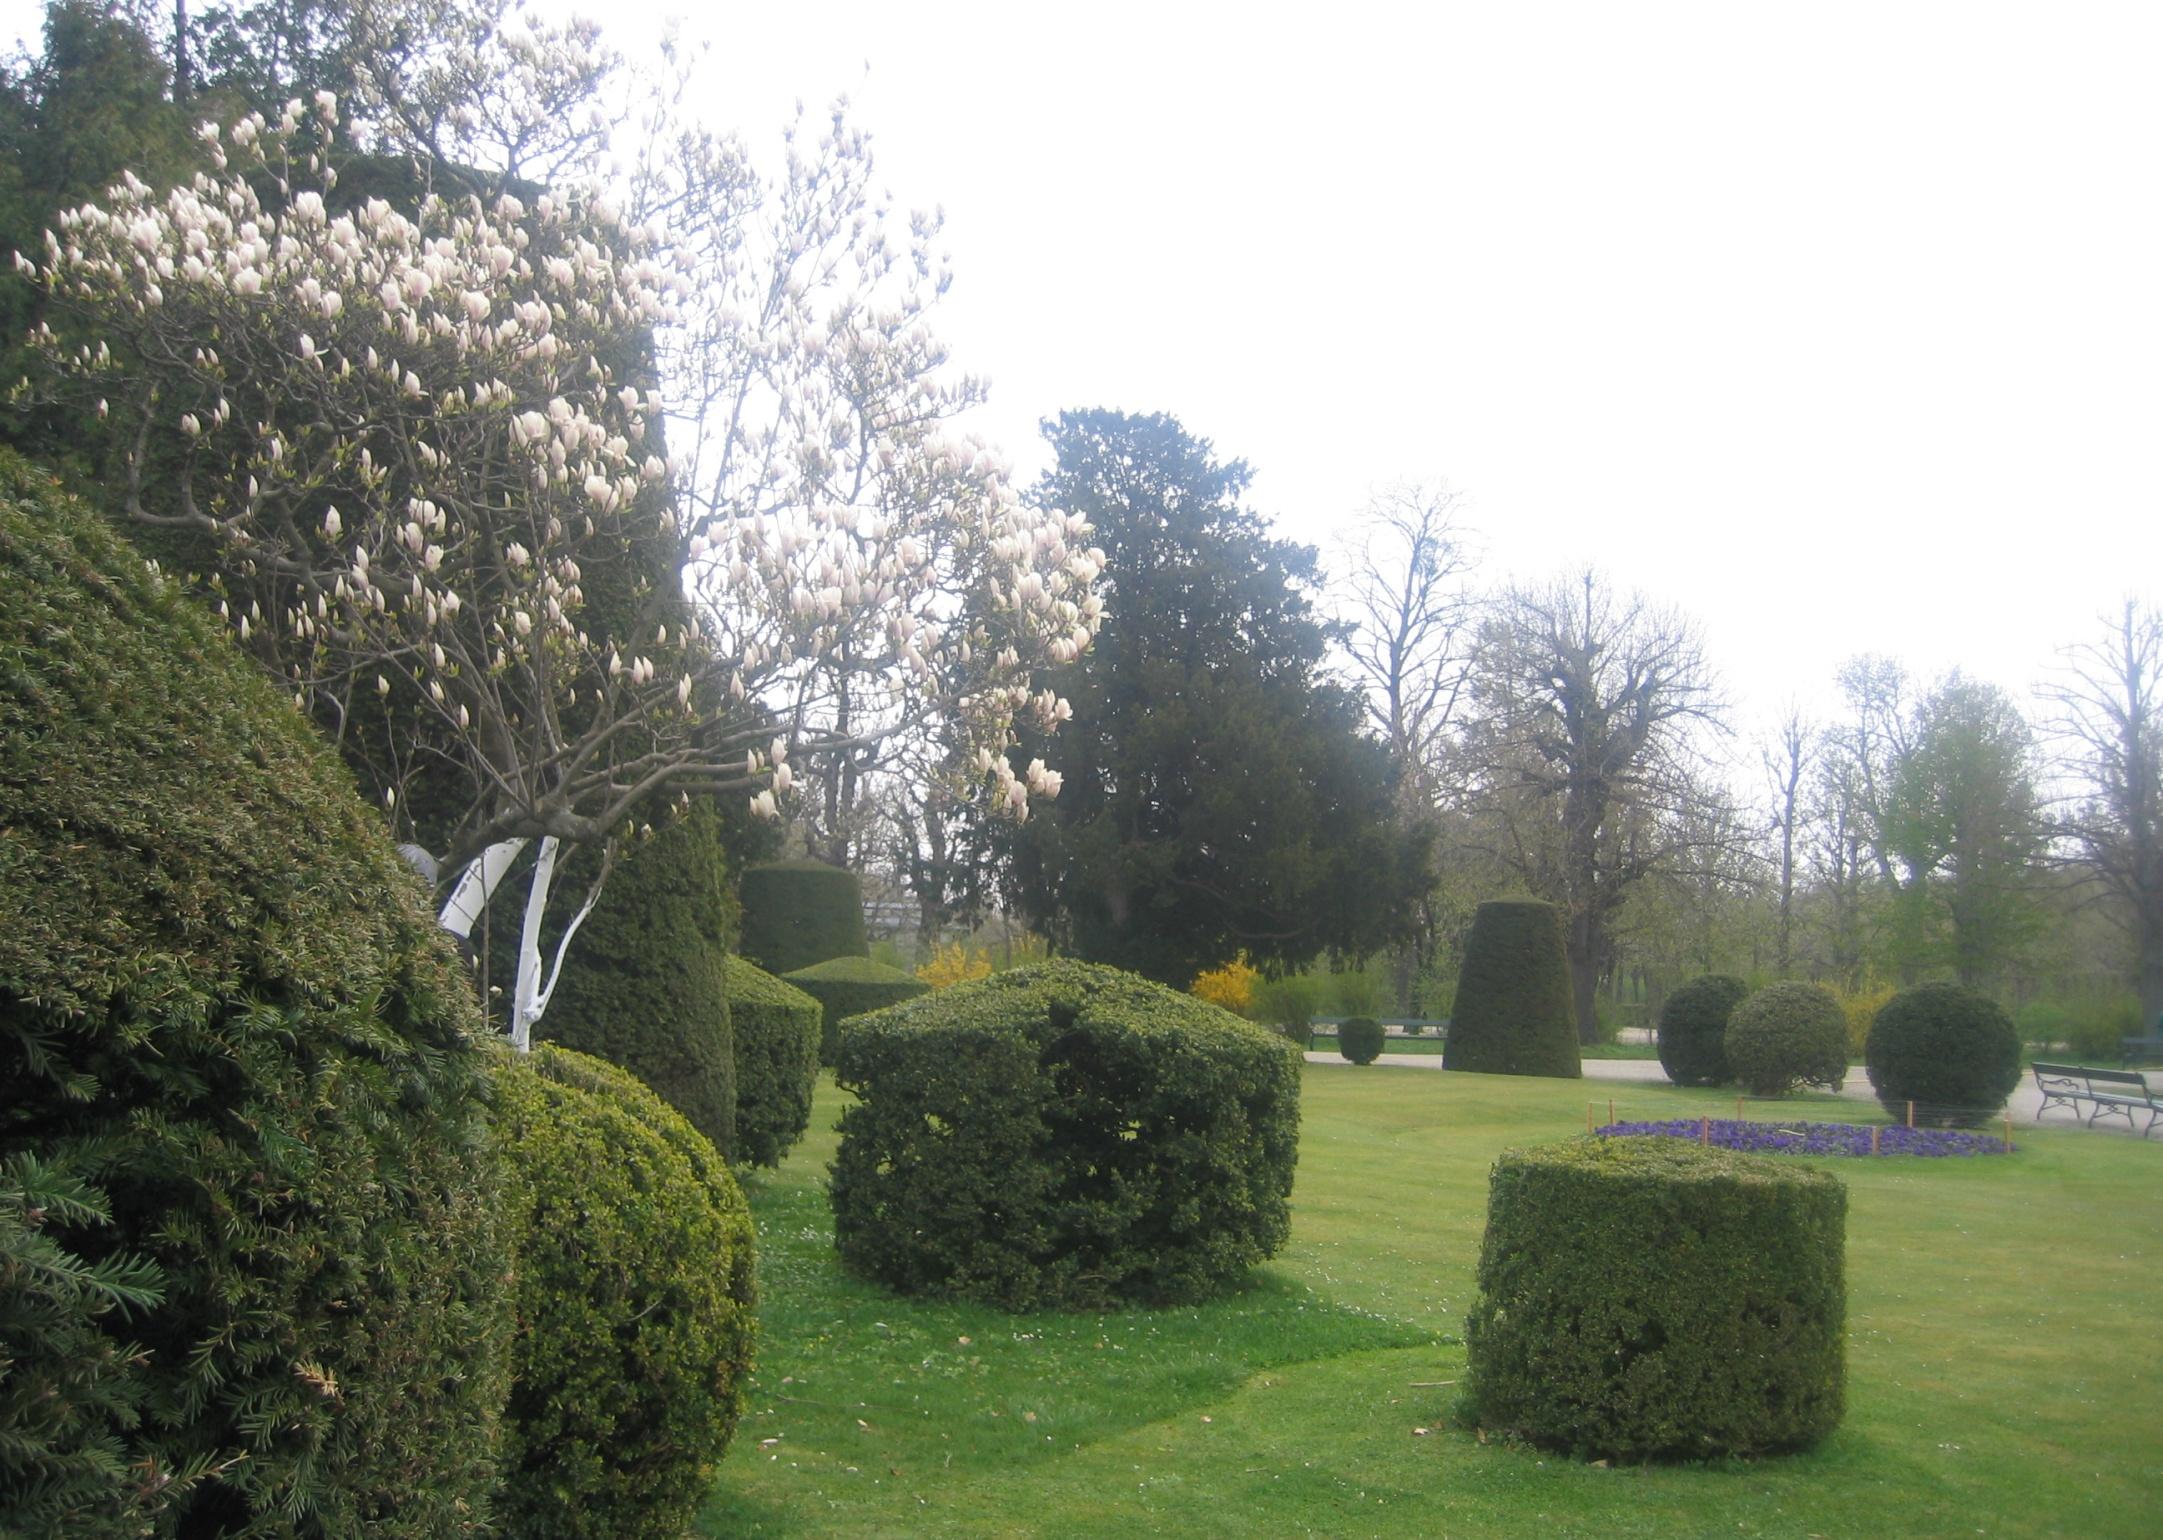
(400,439)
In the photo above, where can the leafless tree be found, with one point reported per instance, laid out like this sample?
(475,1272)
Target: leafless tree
(2107,727)
(1787,761)
(1589,708)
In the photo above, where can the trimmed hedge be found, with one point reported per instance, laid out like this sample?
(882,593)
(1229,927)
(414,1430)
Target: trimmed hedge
(1648,1299)
(633,1300)
(1786,1035)
(1359,1038)
(1693,1029)
(1514,1013)
(1951,1051)
(850,986)
(797,913)
(229,1022)
(643,985)
(777,1061)
(1064,1135)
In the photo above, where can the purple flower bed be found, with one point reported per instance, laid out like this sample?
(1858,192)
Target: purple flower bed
(1818,1138)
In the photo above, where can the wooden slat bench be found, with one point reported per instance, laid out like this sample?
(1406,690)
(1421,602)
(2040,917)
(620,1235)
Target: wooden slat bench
(2108,1093)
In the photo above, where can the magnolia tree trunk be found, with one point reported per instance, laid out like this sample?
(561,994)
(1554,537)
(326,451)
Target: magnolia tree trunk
(477,885)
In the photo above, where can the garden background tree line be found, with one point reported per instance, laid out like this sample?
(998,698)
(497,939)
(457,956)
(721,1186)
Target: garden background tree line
(1302,759)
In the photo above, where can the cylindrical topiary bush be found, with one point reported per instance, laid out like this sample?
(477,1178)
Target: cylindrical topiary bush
(1951,1051)
(642,982)
(1648,1299)
(241,1072)
(633,1301)
(1063,1135)
(797,913)
(777,1061)
(850,986)
(1693,1029)
(1359,1038)
(1514,1013)
(1786,1035)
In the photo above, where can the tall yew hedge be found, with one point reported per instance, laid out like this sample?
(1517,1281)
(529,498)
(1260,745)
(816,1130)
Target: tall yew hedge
(797,913)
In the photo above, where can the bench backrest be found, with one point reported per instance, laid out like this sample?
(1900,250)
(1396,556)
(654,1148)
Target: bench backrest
(2072,1077)
(2131,1079)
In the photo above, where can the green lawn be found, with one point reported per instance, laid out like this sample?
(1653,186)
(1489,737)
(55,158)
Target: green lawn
(2005,1361)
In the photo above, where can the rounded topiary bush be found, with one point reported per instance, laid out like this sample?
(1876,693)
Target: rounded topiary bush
(1359,1038)
(229,1022)
(1598,1331)
(1693,1029)
(642,983)
(850,986)
(1951,1051)
(1063,1135)
(797,913)
(777,1061)
(1514,1014)
(633,1301)
(1786,1035)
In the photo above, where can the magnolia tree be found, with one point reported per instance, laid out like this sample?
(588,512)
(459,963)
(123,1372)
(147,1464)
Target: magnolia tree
(401,449)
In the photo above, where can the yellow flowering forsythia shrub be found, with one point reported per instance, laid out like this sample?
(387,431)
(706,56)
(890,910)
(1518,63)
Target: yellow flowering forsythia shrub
(954,964)
(1231,986)
(1861,1007)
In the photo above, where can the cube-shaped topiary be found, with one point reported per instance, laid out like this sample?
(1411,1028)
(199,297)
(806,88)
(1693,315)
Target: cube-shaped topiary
(1063,1135)
(797,913)
(633,1299)
(1951,1051)
(1785,1035)
(229,1020)
(1514,1013)
(1693,1029)
(1360,1038)
(777,1061)
(642,982)
(850,986)
(1648,1299)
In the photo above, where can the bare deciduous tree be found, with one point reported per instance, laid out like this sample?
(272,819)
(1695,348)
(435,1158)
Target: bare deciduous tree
(2107,724)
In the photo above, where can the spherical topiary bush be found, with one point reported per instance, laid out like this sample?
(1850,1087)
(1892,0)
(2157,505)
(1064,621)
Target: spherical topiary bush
(229,1020)
(1693,1029)
(1786,1035)
(1063,1135)
(797,913)
(642,982)
(633,1303)
(1359,1038)
(1951,1051)
(1646,1299)
(1514,1013)
(850,986)
(777,1061)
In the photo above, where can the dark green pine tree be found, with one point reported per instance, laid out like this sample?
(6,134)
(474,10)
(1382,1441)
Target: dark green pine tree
(1219,795)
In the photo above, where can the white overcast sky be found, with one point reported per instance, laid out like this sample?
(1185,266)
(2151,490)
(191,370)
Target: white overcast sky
(1839,326)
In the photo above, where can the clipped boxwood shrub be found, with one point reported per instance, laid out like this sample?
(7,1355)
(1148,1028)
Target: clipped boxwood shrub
(1514,1013)
(850,986)
(1786,1035)
(1693,1029)
(231,1030)
(642,983)
(797,913)
(1597,1331)
(1951,1051)
(1063,1135)
(633,1301)
(1359,1038)
(777,1061)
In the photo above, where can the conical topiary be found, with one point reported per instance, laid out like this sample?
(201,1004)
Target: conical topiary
(1514,1013)
(797,913)
(643,984)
